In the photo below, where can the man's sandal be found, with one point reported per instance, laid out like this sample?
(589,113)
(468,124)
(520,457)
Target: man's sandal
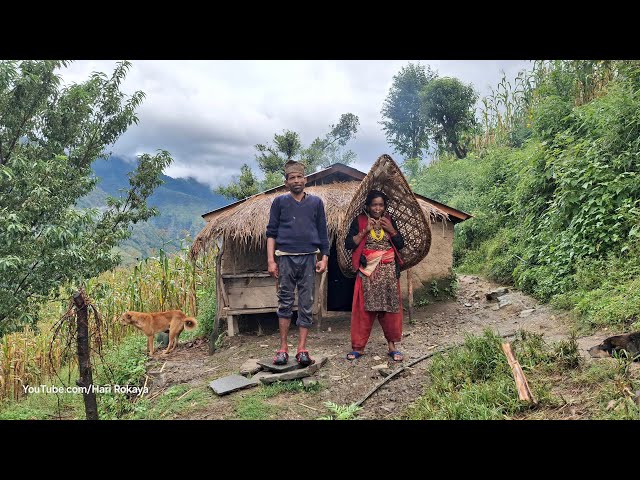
(354,355)
(304,359)
(281,358)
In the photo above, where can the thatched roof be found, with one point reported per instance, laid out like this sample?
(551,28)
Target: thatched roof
(246,223)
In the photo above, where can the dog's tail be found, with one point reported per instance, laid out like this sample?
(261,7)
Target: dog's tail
(190,323)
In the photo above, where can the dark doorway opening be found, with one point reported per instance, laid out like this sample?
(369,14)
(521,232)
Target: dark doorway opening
(339,287)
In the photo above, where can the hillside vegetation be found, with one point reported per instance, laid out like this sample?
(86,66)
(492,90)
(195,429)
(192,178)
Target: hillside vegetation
(554,189)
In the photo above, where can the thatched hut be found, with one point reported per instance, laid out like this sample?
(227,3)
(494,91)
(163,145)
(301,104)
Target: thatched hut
(239,232)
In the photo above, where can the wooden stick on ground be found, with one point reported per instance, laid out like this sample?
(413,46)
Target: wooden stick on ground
(524,392)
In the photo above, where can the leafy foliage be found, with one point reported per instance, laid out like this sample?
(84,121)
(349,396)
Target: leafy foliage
(555,213)
(340,412)
(404,122)
(448,105)
(53,133)
(322,152)
(245,186)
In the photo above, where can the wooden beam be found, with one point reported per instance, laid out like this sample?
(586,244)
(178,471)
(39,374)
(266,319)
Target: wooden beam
(246,275)
(249,311)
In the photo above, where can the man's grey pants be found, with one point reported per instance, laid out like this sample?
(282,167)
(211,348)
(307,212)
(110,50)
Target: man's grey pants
(297,270)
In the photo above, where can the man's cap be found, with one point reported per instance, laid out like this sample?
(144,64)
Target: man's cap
(293,167)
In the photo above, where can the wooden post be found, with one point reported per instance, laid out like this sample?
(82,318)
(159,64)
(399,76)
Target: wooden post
(215,331)
(232,325)
(410,293)
(524,393)
(84,359)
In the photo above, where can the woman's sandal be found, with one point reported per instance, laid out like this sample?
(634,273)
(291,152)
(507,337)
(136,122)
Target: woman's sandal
(354,355)
(396,353)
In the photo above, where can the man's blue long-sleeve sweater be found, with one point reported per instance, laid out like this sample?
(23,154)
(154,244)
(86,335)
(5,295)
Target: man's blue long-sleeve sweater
(298,227)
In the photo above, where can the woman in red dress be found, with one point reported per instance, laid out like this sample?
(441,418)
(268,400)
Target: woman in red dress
(375,240)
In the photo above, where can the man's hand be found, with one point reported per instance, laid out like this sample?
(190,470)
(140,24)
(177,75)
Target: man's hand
(321,266)
(272,268)
(386,225)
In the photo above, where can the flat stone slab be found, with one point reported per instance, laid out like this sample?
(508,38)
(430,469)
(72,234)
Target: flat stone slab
(261,374)
(231,383)
(267,364)
(250,367)
(294,374)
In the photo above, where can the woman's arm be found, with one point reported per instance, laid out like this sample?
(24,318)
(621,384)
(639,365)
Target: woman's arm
(354,236)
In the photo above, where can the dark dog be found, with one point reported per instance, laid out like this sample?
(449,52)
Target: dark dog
(629,342)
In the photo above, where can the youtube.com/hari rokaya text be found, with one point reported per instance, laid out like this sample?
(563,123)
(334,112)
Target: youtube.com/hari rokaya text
(125,389)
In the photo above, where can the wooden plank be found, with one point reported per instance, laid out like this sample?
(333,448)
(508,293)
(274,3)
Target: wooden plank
(336,314)
(254,297)
(246,311)
(524,392)
(252,293)
(250,282)
(246,275)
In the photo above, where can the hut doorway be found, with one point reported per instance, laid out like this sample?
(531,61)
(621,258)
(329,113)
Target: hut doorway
(339,287)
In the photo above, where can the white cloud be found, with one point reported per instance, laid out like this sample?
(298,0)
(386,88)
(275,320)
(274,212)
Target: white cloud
(210,114)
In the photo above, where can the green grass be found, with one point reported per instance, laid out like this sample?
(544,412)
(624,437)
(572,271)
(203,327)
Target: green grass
(44,406)
(474,381)
(123,364)
(255,407)
(177,400)
(438,290)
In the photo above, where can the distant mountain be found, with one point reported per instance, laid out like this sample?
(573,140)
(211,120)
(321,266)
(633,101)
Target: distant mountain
(181,203)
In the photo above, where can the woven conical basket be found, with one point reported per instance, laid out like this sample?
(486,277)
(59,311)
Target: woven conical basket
(386,176)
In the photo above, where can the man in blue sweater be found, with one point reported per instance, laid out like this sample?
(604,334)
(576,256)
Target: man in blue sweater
(298,227)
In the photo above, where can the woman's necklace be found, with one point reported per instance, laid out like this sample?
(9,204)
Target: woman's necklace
(377,237)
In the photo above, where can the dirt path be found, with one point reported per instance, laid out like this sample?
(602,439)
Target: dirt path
(343,382)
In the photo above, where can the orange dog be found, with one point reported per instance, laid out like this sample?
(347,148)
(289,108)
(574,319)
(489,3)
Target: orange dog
(155,322)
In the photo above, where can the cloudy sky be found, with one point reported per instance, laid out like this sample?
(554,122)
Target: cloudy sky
(209,114)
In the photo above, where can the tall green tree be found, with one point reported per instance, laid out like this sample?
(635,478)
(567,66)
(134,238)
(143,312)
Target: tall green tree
(271,158)
(405,125)
(49,136)
(328,150)
(449,107)
(244,186)
(322,152)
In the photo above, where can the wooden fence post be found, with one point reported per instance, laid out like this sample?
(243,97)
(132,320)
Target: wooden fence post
(84,358)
